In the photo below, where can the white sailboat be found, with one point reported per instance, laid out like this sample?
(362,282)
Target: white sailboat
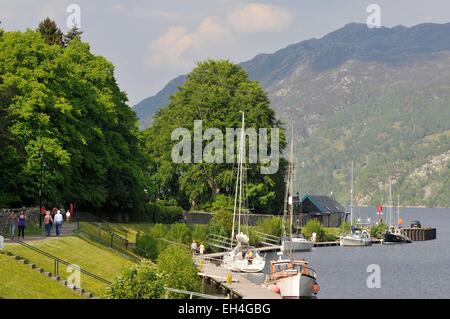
(292,279)
(355,237)
(242,257)
(293,242)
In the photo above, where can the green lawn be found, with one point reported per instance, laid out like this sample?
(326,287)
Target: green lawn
(128,231)
(18,281)
(95,259)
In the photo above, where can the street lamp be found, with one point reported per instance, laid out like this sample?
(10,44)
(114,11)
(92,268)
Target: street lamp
(41,154)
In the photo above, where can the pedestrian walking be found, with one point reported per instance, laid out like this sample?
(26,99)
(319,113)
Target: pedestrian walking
(194,248)
(202,249)
(12,221)
(48,221)
(68,216)
(22,223)
(58,220)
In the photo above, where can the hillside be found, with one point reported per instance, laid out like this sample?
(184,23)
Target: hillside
(375,96)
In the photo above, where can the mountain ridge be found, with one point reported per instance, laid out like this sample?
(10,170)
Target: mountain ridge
(331,88)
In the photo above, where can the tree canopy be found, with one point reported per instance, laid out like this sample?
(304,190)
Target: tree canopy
(66,100)
(215,92)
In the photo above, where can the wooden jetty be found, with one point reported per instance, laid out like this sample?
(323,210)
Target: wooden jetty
(420,234)
(235,284)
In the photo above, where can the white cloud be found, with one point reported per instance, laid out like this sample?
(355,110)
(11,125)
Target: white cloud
(179,47)
(170,48)
(257,17)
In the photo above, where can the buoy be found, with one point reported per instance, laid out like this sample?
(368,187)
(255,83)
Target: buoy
(276,289)
(316,288)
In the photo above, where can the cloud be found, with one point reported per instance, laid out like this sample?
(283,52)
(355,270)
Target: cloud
(258,17)
(170,48)
(179,47)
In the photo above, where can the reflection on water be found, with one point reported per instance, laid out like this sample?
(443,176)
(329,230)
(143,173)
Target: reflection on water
(417,270)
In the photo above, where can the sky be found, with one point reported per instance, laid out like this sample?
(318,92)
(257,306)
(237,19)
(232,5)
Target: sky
(151,42)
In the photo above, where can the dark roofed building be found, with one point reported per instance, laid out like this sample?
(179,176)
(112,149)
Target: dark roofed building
(323,208)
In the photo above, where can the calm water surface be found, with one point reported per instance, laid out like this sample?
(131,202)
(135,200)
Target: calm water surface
(417,270)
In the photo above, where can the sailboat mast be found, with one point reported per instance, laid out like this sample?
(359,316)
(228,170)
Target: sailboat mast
(390,203)
(291,192)
(398,209)
(242,156)
(237,193)
(351,199)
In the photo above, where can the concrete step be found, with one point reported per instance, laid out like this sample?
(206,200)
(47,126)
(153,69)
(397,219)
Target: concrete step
(48,274)
(88,295)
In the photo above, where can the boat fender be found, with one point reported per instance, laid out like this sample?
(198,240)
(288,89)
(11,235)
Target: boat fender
(316,288)
(276,289)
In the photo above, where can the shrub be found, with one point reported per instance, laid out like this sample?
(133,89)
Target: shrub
(200,234)
(221,224)
(378,230)
(179,233)
(272,226)
(140,281)
(178,269)
(147,246)
(314,226)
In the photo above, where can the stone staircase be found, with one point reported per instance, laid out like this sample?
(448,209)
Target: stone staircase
(78,290)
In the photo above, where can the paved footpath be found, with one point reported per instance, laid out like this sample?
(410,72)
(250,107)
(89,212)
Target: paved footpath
(66,230)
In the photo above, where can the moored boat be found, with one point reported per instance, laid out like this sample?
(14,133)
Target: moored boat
(292,279)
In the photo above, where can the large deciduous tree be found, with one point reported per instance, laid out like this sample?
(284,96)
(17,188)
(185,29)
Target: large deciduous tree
(67,101)
(215,92)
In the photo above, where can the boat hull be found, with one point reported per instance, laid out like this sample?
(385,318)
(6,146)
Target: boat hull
(296,286)
(389,238)
(355,241)
(301,245)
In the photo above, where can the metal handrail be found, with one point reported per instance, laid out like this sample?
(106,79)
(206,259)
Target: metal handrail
(58,260)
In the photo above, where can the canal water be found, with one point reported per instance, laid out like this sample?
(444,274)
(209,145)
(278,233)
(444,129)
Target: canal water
(417,270)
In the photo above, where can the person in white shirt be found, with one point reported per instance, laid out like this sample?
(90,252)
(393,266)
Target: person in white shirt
(58,220)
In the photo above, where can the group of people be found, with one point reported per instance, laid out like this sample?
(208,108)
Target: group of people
(17,222)
(55,217)
(195,248)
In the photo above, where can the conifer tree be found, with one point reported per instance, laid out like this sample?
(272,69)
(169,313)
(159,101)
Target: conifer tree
(50,32)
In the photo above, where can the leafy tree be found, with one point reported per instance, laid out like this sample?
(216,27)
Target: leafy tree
(215,92)
(140,281)
(67,101)
(50,32)
(179,271)
(73,33)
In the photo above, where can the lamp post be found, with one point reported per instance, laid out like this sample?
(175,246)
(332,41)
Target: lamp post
(41,154)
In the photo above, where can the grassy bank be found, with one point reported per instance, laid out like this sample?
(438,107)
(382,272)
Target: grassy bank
(95,259)
(18,281)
